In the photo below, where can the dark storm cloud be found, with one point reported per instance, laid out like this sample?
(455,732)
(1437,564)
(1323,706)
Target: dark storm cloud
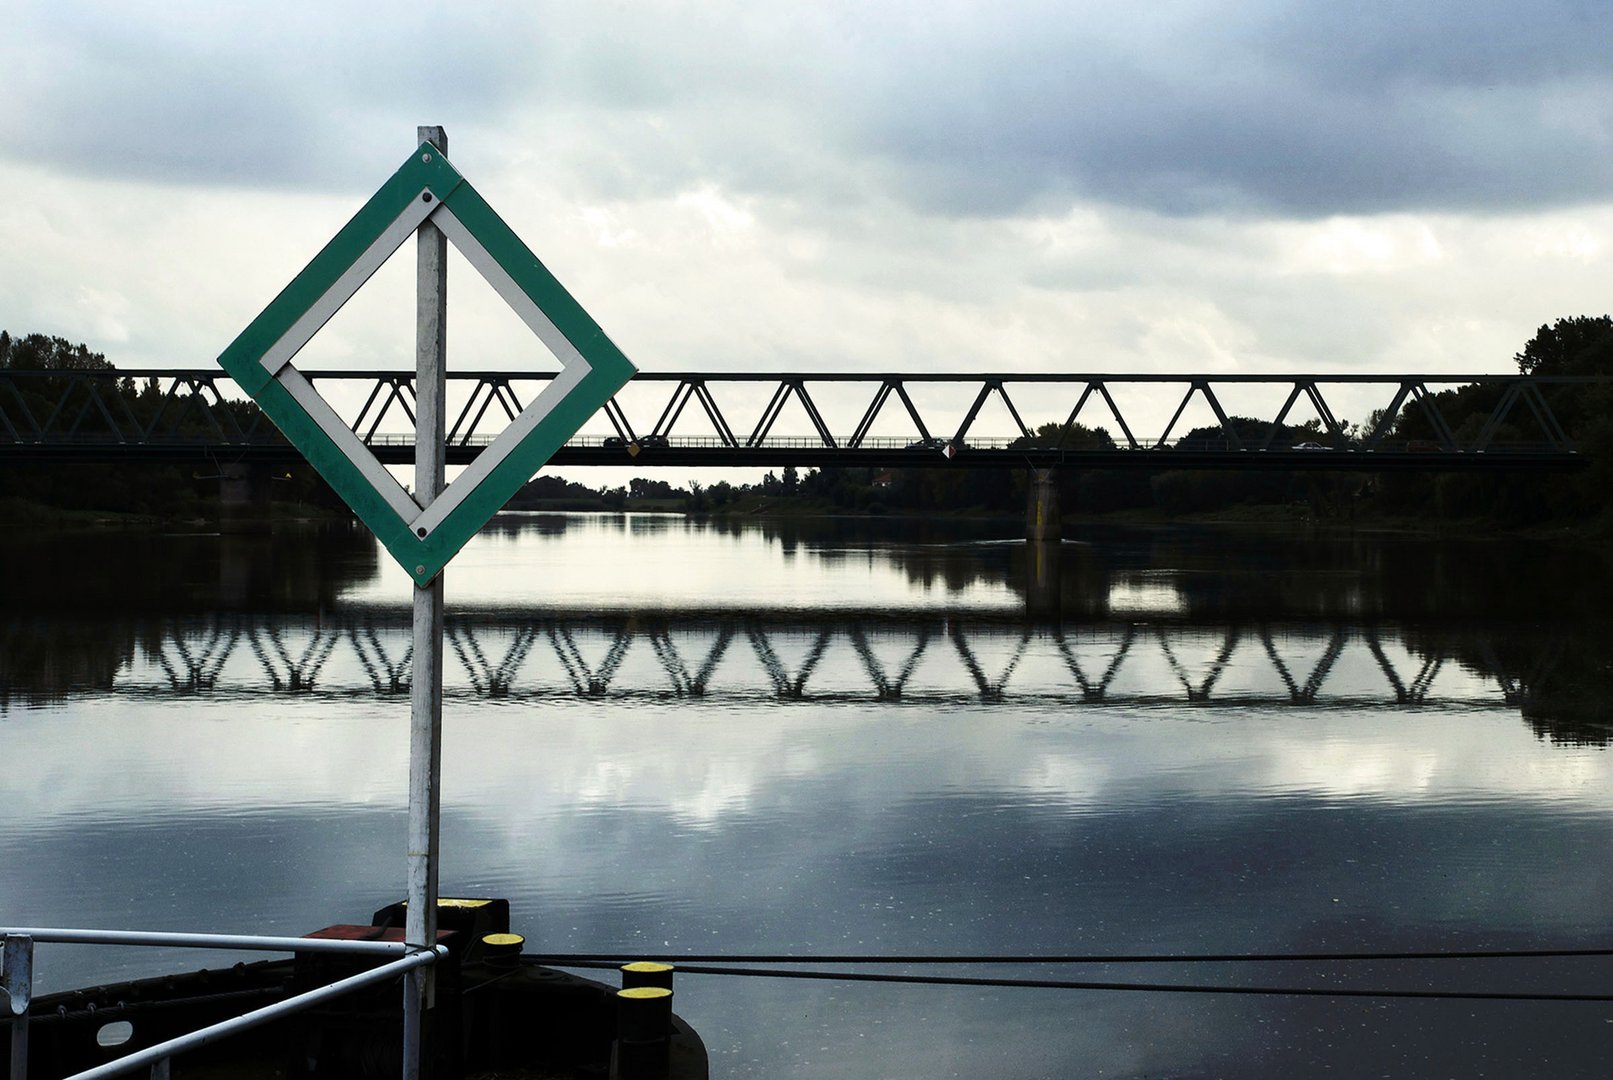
(1190,107)
(290,97)
(1272,109)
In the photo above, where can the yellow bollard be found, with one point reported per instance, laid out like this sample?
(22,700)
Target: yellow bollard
(643,1034)
(646,973)
(502,950)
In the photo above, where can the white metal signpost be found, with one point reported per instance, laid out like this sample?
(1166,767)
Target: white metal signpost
(429,199)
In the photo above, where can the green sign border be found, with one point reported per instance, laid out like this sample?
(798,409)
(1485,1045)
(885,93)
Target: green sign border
(608,370)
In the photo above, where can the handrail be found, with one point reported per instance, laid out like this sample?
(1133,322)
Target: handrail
(153,1055)
(18,980)
(164,939)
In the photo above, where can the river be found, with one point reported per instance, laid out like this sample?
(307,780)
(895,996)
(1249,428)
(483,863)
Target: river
(862,737)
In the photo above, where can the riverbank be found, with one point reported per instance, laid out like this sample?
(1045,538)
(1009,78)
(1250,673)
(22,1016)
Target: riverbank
(1599,529)
(26,514)
(18,513)
(1285,516)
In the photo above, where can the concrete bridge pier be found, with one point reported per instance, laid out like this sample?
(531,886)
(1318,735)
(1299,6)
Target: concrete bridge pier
(243,497)
(1043,533)
(1042,506)
(1044,585)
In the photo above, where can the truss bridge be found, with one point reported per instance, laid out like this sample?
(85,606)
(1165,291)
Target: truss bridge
(691,419)
(843,659)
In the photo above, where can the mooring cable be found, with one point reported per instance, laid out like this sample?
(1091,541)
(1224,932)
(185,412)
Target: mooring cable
(1077,958)
(1082,984)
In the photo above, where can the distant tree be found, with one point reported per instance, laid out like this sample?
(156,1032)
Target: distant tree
(1252,432)
(146,489)
(1578,345)
(1574,345)
(38,352)
(641,488)
(1079,437)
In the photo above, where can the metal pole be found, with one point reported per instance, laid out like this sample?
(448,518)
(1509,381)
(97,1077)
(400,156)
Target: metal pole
(413,991)
(425,727)
(18,971)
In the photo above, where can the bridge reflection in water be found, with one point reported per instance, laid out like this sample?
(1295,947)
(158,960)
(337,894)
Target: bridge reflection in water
(844,659)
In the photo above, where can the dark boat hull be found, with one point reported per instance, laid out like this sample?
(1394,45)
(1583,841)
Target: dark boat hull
(495,1018)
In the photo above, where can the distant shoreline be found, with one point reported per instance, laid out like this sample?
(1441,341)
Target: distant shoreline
(21,513)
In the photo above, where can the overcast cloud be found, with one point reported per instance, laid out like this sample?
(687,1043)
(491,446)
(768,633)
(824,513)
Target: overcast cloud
(1180,186)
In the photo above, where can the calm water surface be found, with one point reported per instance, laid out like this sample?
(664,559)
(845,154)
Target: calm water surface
(865,737)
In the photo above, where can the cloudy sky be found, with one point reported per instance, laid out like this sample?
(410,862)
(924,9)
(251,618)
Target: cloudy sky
(1187,185)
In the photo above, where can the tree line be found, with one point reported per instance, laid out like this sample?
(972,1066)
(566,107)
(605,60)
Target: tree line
(145,490)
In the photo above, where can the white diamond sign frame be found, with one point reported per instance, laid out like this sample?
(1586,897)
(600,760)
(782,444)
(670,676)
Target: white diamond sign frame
(426,187)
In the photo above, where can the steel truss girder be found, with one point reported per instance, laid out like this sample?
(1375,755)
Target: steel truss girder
(1102,391)
(1318,402)
(989,387)
(526,658)
(780,398)
(1529,393)
(695,388)
(389,389)
(1200,386)
(488,390)
(189,395)
(19,407)
(872,412)
(1305,694)
(74,412)
(90,397)
(618,420)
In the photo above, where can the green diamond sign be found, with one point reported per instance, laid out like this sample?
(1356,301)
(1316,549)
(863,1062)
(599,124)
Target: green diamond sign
(592,369)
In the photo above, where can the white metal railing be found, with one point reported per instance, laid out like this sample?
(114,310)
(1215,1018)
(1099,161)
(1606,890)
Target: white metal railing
(17,984)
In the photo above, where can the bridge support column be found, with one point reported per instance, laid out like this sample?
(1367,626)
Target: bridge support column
(234,485)
(1042,506)
(1044,585)
(243,498)
(234,497)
